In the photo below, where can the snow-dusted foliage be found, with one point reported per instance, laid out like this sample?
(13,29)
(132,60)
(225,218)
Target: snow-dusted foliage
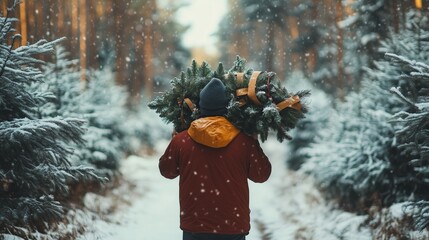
(100,102)
(35,171)
(412,132)
(119,129)
(369,25)
(357,159)
(144,129)
(351,158)
(265,10)
(327,69)
(413,136)
(113,129)
(308,129)
(412,122)
(104,105)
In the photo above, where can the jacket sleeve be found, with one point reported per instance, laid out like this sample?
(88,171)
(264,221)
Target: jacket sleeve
(259,165)
(169,161)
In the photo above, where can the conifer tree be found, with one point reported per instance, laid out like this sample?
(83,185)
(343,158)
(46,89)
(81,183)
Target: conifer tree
(358,160)
(258,103)
(410,88)
(270,13)
(412,133)
(307,130)
(34,169)
(351,158)
(100,102)
(370,26)
(107,114)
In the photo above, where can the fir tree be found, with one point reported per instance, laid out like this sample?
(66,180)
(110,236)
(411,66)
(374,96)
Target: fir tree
(272,14)
(370,26)
(270,11)
(254,109)
(351,158)
(307,130)
(358,160)
(326,69)
(34,168)
(411,87)
(412,133)
(100,102)
(106,112)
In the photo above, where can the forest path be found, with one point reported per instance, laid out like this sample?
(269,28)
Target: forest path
(287,206)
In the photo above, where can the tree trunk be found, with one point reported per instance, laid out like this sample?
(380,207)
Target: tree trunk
(339,42)
(39,31)
(60,19)
(293,32)
(419,4)
(92,30)
(119,8)
(31,20)
(74,25)
(23,22)
(82,40)
(4,8)
(312,54)
(148,48)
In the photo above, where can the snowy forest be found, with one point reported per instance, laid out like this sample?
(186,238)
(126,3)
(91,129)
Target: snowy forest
(83,120)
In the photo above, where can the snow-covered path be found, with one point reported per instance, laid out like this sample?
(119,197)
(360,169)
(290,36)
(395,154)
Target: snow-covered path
(287,206)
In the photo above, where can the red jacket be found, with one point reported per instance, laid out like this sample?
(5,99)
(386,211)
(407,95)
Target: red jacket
(214,161)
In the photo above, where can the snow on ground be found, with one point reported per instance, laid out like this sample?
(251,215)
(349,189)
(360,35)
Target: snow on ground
(287,206)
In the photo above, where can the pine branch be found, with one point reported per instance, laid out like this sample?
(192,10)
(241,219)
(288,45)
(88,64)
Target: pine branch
(9,53)
(411,66)
(420,212)
(398,93)
(29,212)
(32,138)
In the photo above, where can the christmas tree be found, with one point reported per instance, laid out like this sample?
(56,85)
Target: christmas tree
(258,103)
(411,120)
(308,129)
(369,23)
(101,103)
(34,169)
(412,133)
(362,159)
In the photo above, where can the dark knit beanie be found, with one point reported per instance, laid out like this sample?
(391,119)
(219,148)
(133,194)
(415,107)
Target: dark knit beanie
(213,100)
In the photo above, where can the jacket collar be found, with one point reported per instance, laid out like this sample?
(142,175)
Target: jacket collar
(215,132)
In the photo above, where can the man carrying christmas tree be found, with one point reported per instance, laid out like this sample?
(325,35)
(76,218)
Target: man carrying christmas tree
(214,160)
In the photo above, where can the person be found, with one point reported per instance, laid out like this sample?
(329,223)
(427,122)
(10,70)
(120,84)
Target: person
(214,160)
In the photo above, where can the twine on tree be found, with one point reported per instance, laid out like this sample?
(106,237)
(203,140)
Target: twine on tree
(240,77)
(250,91)
(189,103)
(241,91)
(292,102)
(252,88)
(182,104)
